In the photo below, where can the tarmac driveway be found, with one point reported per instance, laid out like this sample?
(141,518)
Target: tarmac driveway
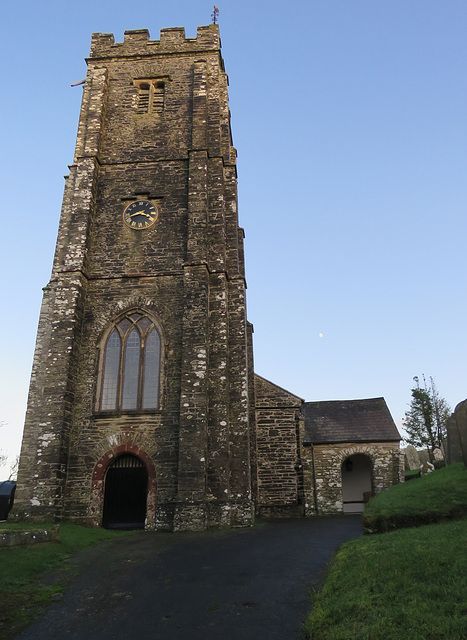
(242,584)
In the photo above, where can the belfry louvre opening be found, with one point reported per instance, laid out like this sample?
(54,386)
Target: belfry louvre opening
(125,494)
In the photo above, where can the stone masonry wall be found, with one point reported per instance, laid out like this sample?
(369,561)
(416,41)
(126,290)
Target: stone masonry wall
(279,474)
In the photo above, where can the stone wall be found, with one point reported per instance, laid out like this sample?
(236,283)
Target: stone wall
(29,538)
(278,425)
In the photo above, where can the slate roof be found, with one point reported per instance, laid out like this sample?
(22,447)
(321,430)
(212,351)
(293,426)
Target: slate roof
(335,421)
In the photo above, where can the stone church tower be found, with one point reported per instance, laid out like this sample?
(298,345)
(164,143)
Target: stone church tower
(138,409)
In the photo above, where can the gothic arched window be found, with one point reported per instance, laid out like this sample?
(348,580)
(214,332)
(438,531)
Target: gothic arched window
(131,365)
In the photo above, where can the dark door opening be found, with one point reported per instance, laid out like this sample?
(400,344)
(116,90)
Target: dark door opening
(125,495)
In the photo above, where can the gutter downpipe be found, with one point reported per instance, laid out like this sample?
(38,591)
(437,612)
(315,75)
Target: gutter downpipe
(315,496)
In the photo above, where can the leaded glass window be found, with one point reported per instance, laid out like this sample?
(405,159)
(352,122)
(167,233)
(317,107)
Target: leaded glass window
(131,371)
(131,365)
(111,371)
(151,370)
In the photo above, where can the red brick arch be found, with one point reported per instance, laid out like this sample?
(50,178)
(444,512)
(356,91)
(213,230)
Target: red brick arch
(98,484)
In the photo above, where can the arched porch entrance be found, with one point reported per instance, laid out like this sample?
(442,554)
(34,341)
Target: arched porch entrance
(125,493)
(357,483)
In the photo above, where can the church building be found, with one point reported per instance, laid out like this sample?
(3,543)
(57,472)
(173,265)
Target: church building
(144,409)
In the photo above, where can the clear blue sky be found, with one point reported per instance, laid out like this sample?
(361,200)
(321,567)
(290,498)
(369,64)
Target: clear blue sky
(350,122)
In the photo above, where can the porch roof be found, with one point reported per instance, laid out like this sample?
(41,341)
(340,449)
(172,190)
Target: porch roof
(333,421)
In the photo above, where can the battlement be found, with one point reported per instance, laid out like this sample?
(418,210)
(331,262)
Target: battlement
(137,42)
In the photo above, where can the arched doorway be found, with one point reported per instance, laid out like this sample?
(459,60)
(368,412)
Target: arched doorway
(125,494)
(356,482)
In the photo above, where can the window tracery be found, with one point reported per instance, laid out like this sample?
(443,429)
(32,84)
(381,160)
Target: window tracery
(130,379)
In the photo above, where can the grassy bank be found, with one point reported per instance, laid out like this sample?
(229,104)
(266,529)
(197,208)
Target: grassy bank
(23,591)
(406,583)
(438,496)
(403,584)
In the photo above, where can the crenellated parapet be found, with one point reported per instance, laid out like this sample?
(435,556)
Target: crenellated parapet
(137,43)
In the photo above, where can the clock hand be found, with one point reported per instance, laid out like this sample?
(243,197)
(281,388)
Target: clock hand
(140,213)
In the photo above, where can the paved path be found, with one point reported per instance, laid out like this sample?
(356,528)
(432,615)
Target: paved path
(245,584)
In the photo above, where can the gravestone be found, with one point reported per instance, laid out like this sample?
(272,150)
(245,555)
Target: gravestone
(457,435)
(412,458)
(423,456)
(427,467)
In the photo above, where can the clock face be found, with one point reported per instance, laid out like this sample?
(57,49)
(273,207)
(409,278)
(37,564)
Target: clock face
(141,214)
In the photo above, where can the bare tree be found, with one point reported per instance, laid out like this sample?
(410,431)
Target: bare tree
(425,421)
(14,469)
(3,456)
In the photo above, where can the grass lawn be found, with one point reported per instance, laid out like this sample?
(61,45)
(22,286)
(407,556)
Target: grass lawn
(403,584)
(23,591)
(406,583)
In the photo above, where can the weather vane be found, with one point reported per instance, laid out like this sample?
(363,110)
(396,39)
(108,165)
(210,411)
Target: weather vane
(214,15)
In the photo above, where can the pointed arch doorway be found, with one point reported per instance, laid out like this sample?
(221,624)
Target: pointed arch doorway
(357,482)
(125,493)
